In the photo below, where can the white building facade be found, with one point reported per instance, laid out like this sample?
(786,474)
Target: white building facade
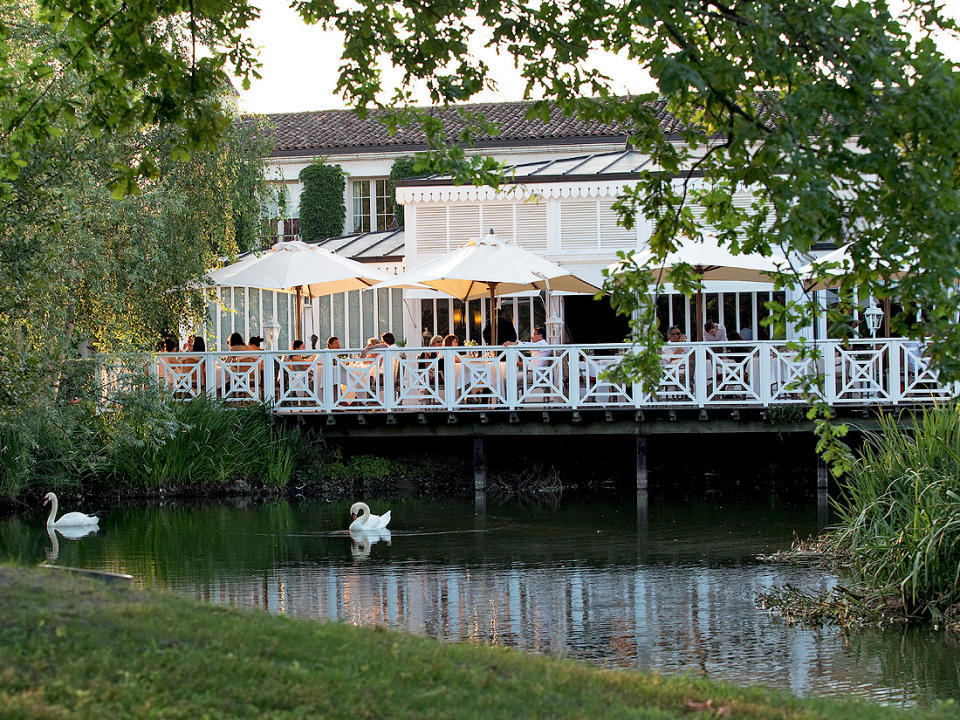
(566,175)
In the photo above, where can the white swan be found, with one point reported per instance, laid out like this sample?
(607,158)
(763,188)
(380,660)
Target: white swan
(363,520)
(71,519)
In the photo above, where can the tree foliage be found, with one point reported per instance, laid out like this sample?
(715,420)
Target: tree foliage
(81,269)
(116,66)
(840,122)
(322,208)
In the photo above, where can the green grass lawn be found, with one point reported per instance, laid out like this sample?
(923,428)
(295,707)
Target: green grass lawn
(71,647)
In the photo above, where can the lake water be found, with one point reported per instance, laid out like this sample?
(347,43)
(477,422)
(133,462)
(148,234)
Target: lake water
(670,590)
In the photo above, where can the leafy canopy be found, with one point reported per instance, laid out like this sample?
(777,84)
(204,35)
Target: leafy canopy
(117,66)
(840,123)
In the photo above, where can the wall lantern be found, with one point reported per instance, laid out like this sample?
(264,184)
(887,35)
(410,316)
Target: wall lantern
(271,330)
(874,317)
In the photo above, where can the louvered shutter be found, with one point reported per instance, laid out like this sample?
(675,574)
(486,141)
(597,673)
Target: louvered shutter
(464,224)
(578,225)
(499,217)
(532,226)
(612,235)
(431,230)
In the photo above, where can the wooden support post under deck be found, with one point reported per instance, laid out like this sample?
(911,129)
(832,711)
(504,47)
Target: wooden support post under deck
(641,462)
(479,465)
(823,508)
(823,474)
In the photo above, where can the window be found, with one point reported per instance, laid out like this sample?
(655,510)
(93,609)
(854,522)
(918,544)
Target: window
(291,228)
(373,207)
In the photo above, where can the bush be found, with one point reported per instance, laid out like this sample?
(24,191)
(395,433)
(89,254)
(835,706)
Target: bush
(402,168)
(900,511)
(141,441)
(322,208)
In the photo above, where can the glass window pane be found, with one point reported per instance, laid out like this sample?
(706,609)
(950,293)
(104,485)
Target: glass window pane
(426,321)
(663,314)
(679,312)
(369,321)
(324,329)
(240,304)
(729,312)
(285,318)
(361,205)
(396,301)
(443,317)
(226,317)
(338,319)
(353,305)
(256,327)
(523,319)
(384,205)
(459,320)
(746,314)
(383,310)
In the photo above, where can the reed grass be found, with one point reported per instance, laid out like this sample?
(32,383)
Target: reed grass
(209,446)
(899,514)
(143,442)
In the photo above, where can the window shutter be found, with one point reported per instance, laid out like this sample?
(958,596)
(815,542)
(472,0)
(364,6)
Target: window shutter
(612,235)
(431,230)
(498,216)
(532,226)
(578,225)
(464,224)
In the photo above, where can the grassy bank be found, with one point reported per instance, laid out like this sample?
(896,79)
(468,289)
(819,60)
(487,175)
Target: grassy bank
(71,647)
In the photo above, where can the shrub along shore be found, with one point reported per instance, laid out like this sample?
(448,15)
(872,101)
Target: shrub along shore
(898,535)
(75,647)
(148,445)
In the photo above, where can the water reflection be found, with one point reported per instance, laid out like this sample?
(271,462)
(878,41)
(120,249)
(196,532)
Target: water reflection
(670,588)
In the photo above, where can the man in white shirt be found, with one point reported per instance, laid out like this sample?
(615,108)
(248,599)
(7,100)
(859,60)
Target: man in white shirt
(537,338)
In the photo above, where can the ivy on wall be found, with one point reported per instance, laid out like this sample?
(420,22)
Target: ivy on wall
(322,208)
(402,168)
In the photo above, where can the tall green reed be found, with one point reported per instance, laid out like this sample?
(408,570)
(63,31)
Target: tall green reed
(139,440)
(899,516)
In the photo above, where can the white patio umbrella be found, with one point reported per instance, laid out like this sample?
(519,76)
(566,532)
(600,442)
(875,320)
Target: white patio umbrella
(489,267)
(296,267)
(711,261)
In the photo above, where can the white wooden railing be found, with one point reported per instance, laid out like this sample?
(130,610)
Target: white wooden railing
(695,375)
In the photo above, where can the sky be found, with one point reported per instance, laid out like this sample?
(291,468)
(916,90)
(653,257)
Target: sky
(299,66)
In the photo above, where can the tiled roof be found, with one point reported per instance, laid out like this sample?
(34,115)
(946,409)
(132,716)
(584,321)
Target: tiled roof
(332,131)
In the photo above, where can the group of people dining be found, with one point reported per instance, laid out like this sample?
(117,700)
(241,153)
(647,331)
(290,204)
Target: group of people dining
(244,366)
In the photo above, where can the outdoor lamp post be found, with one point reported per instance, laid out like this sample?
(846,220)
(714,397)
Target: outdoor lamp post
(555,330)
(874,317)
(271,330)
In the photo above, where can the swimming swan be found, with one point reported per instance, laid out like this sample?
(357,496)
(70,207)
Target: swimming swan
(71,519)
(363,520)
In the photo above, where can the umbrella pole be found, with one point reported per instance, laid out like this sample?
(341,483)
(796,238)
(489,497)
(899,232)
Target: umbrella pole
(299,313)
(493,314)
(699,301)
